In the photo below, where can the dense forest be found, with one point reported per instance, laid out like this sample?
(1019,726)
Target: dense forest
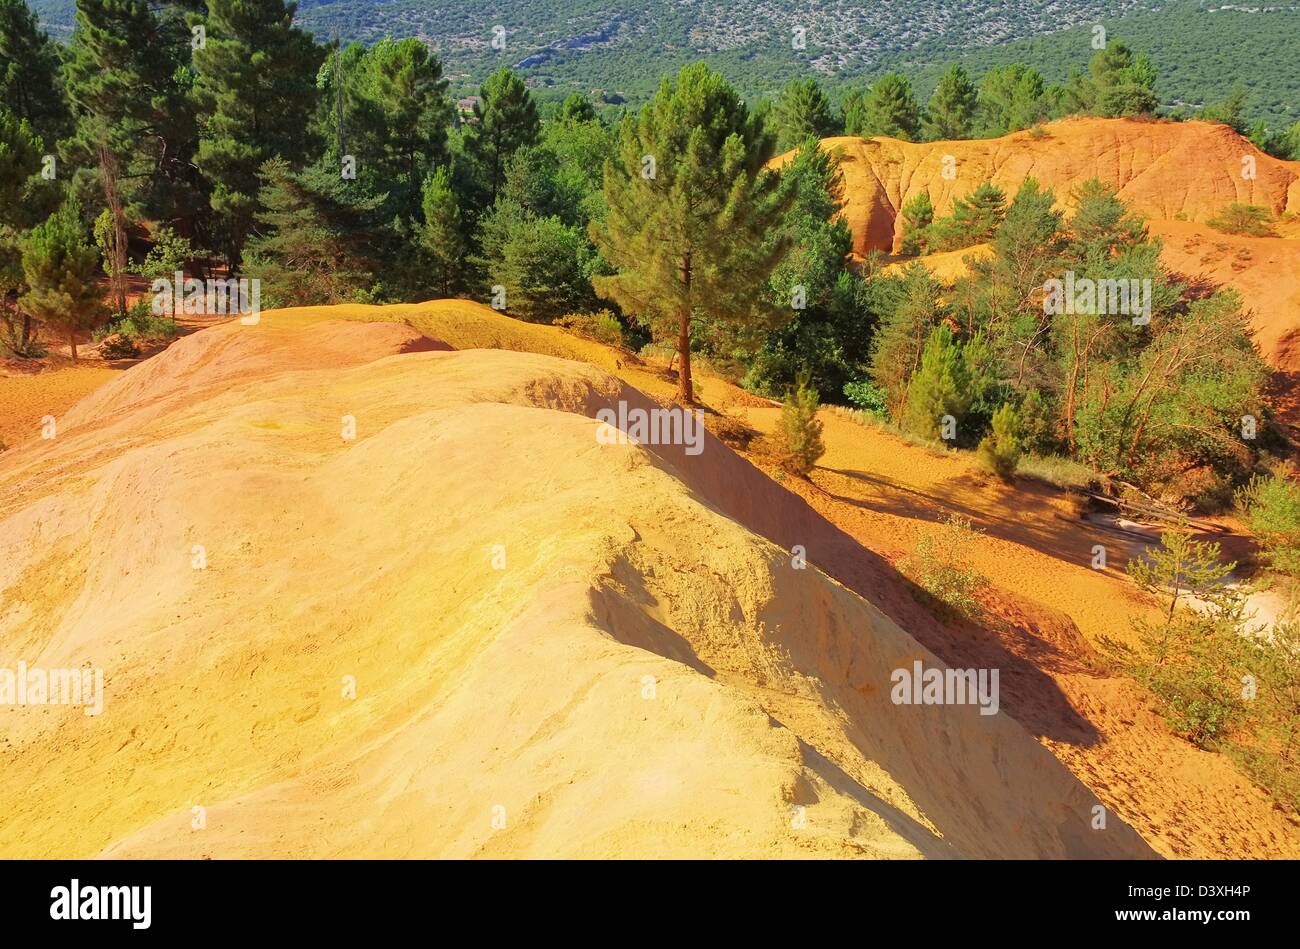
(229,141)
(617,50)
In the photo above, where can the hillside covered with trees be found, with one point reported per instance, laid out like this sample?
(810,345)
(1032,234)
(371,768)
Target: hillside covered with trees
(233,143)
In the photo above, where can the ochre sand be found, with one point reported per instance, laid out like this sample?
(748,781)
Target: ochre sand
(524,687)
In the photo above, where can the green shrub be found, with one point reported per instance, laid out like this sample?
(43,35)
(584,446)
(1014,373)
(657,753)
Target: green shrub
(941,567)
(799,431)
(1271,509)
(602,326)
(999,451)
(1193,657)
(1249,220)
(868,397)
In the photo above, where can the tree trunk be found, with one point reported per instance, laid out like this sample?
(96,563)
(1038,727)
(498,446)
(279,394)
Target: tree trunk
(72,342)
(685,392)
(108,176)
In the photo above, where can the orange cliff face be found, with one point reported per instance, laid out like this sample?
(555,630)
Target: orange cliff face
(1163,170)
(1176,175)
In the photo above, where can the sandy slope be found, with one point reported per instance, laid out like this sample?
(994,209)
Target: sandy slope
(1046,610)
(27,398)
(523,688)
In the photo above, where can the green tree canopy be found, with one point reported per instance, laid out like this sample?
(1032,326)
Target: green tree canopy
(951,112)
(255,82)
(505,121)
(691,208)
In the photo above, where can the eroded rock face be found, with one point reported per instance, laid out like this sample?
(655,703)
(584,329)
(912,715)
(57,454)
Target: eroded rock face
(461,624)
(1164,170)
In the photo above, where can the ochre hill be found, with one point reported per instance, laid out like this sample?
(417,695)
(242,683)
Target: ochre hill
(1164,170)
(1175,174)
(473,629)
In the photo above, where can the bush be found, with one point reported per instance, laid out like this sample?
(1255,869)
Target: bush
(941,566)
(1191,659)
(118,346)
(1056,469)
(140,325)
(1249,220)
(868,397)
(1272,757)
(602,326)
(999,451)
(1271,509)
(799,432)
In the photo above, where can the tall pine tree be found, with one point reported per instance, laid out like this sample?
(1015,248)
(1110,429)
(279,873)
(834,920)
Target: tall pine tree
(441,234)
(134,122)
(255,83)
(951,112)
(803,111)
(691,210)
(505,121)
(61,269)
(888,109)
(30,85)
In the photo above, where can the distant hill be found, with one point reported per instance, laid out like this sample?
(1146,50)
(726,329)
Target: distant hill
(623,47)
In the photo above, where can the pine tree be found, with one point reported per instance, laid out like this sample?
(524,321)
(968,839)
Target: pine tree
(974,219)
(255,80)
(395,114)
(1230,111)
(128,91)
(505,121)
(940,386)
(803,111)
(540,261)
(890,109)
(829,337)
(691,208)
(134,121)
(853,112)
(799,430)
(1102,227)
(320,239)
(918,215)
(20,157)
(30,84)
(1011,98)
(576,108)
(1192,659)
(441,234)
(1117,84)
(999,451)
(951,112)
(61,269)
(900,338)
